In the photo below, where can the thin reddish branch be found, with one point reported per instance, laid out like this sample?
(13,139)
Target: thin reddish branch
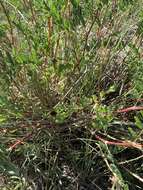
(133,108)
(11,147)
(20,141)
(120,143)
(26,137)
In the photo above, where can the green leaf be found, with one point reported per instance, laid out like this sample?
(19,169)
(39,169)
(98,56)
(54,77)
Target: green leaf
(6,165)
(138,123)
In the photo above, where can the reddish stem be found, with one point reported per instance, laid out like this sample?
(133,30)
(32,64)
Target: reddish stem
(120,143)
(133,108)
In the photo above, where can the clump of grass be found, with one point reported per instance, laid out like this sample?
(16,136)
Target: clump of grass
(65,68)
